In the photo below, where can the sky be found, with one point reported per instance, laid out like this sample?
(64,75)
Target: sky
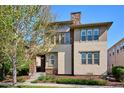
(92,14)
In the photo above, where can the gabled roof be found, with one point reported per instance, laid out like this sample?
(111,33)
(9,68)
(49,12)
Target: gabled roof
(116,44)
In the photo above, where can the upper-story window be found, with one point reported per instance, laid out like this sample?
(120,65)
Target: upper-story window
(110,54)
(123,45)
(83,35)
(113,51)
(61,38)
(67,38)
(90,34)
(118,47)
(96,34)
(57,38)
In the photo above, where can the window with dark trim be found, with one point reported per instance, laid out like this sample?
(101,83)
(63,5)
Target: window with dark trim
(89,34)
(90,57)
(68,38)
(83,35)
(96,57)
(89,54)
(113,51)
(62,38)
(57,39)
(83,57)
(96,34)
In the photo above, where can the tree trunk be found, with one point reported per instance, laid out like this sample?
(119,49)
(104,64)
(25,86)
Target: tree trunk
(3,70)
(14,70)
(15,61)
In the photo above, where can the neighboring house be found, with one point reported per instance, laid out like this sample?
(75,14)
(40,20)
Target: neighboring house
(116,55)
(81,49)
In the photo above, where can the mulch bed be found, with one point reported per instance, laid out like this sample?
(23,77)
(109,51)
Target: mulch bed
(115,83)
(9,78)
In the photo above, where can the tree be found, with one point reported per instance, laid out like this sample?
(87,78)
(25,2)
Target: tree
(25,32)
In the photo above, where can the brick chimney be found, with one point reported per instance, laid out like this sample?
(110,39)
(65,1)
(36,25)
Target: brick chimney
(75,17)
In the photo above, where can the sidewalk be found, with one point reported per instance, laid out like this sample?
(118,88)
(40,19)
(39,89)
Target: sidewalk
(65,85)
(60,85)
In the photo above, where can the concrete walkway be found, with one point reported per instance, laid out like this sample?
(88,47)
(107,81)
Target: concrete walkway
(35,76)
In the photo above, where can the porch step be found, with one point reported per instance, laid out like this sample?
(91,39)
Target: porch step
(35,76)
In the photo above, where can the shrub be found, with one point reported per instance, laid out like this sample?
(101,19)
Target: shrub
(5,86)
(35,81)
(81,82)
(24,70)
(118,73)
(20,79)
(46,78)
(1,78)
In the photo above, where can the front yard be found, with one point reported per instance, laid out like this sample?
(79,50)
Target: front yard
(51,81)
(27,86)
(77,80)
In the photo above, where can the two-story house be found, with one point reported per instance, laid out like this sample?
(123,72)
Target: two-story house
(81,49)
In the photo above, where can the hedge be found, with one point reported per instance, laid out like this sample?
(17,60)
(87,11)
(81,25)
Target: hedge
(118,73)
(81,82)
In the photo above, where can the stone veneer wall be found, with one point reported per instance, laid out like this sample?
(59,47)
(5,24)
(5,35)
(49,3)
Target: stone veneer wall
(51,71)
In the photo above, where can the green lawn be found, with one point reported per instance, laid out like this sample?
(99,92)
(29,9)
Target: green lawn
(27,86)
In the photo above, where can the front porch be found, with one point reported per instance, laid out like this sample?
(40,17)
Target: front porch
(54,63)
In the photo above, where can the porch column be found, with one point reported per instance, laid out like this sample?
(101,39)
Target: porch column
(61,62)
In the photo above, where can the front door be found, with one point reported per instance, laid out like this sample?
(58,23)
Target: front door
(41,64)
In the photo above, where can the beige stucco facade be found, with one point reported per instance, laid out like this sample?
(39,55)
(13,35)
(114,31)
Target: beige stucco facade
(116,55)
(63,64)
(68,58)
(94,69)
(100,45)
